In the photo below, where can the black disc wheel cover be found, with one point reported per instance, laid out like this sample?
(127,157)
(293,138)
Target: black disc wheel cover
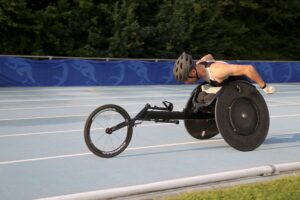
(242,116)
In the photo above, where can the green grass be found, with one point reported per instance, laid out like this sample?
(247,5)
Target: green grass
(285,188)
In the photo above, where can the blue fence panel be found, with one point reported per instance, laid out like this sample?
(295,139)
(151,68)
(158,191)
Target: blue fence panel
(27,72)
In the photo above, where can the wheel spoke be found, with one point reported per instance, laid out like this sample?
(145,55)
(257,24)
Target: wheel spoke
(98,137)
(105,144)
(112,144)
(116,136)
(112,118)
(102,140)
(98,121)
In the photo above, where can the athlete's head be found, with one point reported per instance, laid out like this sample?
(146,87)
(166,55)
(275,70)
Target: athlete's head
(182,67)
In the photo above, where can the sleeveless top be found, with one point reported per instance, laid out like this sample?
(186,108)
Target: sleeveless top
(209,78)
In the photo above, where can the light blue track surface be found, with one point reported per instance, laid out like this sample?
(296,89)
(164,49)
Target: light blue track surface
(43,154)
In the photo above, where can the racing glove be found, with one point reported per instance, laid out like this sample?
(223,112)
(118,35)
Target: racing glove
(269,89)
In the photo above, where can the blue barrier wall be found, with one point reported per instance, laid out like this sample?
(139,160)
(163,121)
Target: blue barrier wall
(27,72)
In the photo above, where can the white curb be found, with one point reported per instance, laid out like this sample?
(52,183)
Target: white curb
(181,182)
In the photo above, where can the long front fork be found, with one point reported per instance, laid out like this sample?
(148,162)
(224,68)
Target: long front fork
(161,115)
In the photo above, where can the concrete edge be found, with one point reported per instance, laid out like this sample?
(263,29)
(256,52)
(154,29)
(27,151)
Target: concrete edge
(267,170)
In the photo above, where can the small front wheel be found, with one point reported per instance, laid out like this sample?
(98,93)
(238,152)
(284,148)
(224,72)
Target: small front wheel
(99,140)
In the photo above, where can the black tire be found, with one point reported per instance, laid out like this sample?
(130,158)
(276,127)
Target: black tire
(95,134)
(201,129)
(242,116)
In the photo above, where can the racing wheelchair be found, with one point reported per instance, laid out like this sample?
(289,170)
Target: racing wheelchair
(236,110)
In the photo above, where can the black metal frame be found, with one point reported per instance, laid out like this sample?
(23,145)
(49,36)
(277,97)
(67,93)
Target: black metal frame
(167,115)
(160,115)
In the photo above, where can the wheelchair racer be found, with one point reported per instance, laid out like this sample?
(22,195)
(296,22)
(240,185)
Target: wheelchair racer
(214,72)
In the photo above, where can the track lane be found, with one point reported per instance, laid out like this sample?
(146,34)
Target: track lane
(61,163)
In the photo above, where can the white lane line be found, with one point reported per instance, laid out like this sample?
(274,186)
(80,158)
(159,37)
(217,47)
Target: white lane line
(283,98)
(120,88)
(288,92)
(285,104)
(79,116)
(67,131)
(269,101)
(77,106)
(129,149)
(49,107)
(278,104)
(175,144)
(37,118)
(279,116)
(94,94)
(110,88)
(94,98)
(51,117)
(40,133)
(77,89)
(290,85)
(44,158)
(43,89)
(81,130)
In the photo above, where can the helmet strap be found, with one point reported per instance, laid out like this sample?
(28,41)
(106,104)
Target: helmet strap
(196,73)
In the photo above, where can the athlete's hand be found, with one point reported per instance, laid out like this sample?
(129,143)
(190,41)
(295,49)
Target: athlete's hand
(269,89)
(207,58)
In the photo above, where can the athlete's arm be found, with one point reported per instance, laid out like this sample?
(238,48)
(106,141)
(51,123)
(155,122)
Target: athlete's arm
(245,70)
(207,57)
(250,72)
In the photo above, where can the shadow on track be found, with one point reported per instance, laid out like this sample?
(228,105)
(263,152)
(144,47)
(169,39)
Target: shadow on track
(284,138)
(173,151)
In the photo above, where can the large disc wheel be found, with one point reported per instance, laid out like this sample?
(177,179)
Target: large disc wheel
(201,129)
(99,140)
(242,116)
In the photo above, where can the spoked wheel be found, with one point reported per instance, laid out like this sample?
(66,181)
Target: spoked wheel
(98,135)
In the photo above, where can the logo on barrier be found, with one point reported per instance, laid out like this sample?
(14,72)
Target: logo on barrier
(275,72)
(22,69)
(119,74)
(141,72)
(64,74)
(170,77)
(87,70)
